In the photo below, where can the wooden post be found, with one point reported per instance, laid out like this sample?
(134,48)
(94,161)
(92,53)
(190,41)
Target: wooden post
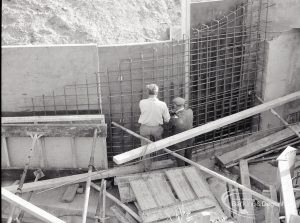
(118,202)
(73,151)
(247,198)
(97,214)
(5,151)
(103,201)
(34,138)
(88,183)
(163,143)
(28,207)
(198,166)
(286,161)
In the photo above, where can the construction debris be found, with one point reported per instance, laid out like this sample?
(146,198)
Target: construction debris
(271,141)
(70,193)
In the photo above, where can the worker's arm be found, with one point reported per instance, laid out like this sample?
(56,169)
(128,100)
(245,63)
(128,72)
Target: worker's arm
(166,114)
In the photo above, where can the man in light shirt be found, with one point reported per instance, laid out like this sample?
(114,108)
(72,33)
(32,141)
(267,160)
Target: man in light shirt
(154,113)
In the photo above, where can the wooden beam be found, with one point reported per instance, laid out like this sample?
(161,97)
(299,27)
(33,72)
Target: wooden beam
(54,130)
(118,202)
(28,207)
(158,145)
(285,160)
(78,175)
(58,118)
(255,147)
(206,170)
(5,151)
(247,198)
(56,182)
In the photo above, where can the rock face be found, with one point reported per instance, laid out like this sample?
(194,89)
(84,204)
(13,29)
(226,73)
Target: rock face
(87,21)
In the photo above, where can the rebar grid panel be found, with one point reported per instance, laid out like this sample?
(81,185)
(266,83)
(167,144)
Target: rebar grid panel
(225,58)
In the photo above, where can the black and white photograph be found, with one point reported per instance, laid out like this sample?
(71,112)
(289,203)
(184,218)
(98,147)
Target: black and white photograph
(150,111)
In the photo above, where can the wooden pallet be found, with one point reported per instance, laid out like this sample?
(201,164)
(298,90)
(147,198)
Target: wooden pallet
(160,195)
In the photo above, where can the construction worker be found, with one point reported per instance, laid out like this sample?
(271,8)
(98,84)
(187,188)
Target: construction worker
(154,113)
(181,120)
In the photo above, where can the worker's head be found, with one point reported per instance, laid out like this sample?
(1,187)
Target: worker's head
(152,89)
(178,103)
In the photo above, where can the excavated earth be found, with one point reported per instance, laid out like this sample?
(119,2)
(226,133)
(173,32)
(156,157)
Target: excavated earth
(33,22)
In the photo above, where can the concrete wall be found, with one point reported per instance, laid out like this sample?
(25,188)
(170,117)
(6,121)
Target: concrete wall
(29,71)
(282,74)
(283,16)
(205,11)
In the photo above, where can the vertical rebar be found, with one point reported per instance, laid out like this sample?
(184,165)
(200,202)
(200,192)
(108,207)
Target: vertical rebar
(131,101)
(76,98)
(87,95)
(54,104)
(33,107)
(65,97)
(120,78)
(99,91)
(111,141)
(44,105)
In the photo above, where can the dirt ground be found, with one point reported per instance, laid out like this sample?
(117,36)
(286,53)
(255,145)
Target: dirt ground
(87,21)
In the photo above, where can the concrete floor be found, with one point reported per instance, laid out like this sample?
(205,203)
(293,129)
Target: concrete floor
(51,202)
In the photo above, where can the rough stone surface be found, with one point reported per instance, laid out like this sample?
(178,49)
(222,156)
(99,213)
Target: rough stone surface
(87,21)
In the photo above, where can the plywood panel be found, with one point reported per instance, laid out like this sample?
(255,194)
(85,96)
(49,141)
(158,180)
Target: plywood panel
(143,195)
(180,185)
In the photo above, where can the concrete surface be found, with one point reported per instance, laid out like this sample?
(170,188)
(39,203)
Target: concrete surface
(50,201)
(281,75)
(29,71)
(283,16)
(57,152)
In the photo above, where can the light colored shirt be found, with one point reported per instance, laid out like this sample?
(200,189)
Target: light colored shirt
(153,112)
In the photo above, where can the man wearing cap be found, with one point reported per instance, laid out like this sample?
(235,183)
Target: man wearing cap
(181,120)
(154,113)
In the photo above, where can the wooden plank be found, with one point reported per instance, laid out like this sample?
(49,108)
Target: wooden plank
(54,130)
(58,118)
(247,198)
(70,193)
(196,181)
(180,185)
(42,150)
(162,213)
(118,202)
(213,173)
(73,151)
(119,214)
(271,212)
(142,194)
(254,147)
(28,207)
(158,145)
(5,151)
(284,167)
(161,190)
(219,189)
(61,181)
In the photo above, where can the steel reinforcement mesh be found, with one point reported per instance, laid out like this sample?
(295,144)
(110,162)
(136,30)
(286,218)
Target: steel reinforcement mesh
(217,67)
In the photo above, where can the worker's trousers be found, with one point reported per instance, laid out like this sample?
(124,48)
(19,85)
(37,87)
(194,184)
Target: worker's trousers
(150,131)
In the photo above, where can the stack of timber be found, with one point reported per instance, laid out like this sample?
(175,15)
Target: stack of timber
(256,150)
(162,196)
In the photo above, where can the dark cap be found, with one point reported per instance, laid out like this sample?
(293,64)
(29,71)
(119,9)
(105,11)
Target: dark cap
(178,101)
